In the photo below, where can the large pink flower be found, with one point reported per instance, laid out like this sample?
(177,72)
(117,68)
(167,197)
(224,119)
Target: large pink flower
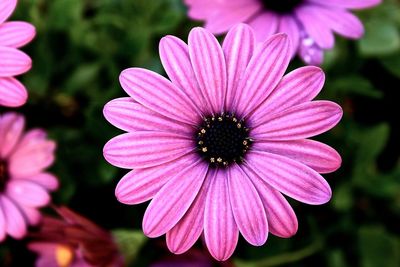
(13,35)
(309,23)
(215,147)
(24,185)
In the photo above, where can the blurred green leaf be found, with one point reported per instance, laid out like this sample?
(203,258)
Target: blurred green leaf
(378,248)
(129,243)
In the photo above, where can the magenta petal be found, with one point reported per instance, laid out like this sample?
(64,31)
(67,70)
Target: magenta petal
(3,224)
(44,179)
(140,185)
(146,149)
(6,9)
(298,122)
(159,94)
(15,222)
(11,128)
(263,73)
(238,48)
(289,25)
(264,25)
(318,30)
(220,230)
(32,155)
(12,92)
(352,4)
(173,200)
(186,232)
(248,210)
(282,220)
(174,54)
(341,21)
(299,86)
(131,116)
(31,215)
(16,33)
(27,193)
(13,62)
(316,155)
(290,177)
(209,66)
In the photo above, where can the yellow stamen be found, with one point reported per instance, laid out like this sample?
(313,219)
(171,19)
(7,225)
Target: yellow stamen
(64,256)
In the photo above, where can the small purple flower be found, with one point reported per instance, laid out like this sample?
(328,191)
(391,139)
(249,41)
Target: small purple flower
(215,146)
(309,23)
(24,184)
(13,62)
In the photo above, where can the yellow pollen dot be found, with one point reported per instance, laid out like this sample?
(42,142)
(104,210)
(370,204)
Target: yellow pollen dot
(239,125)
(219,160)
(225,163)
(234,120)
(203,131)
(212,160)
(244,142)
(220,118)
(64,256)
(204,149)
(201,142)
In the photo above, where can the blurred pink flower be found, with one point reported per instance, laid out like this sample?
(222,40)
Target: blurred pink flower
(13,35)
(24,186)
(309,23)
(217,145)
(73,241)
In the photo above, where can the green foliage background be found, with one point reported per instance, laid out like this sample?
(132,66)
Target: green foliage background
(83,45)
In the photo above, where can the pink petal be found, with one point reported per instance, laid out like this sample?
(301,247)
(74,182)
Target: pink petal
(298,122)
(316,28)
(32,215)
(44,179)
(209,67)
(131,116)
(290,177)
(263,73)
(316,155)
(11,127)
(225,18)
(248,210)
(159,94)
(6,9)
(3,224)
(174,54)
(186,232)
(310,52)
(282,220)
(12,92)
(140,185)
(146,149)
(33,154)
(299,86)
(290,26)
(174,199)
(341,21)
(238,48)
(352,4)
(264,25)
(27,193)
(220,230)
(13,62)
(16,33)
(15,222)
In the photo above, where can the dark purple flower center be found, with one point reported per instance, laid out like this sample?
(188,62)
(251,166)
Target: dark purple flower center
(281,6)
(222,140)
(3,175)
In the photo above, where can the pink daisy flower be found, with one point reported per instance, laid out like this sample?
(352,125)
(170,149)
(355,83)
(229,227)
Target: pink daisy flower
(217,145)
(13,35)
(309,23)
(24,186)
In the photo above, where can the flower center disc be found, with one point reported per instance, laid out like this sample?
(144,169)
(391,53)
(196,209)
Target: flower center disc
(222,140)
(3,175)
(281,6)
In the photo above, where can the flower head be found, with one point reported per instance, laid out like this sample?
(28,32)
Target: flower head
(13,35)
(24,185)
(309,23)
(73,241)
(215,146)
